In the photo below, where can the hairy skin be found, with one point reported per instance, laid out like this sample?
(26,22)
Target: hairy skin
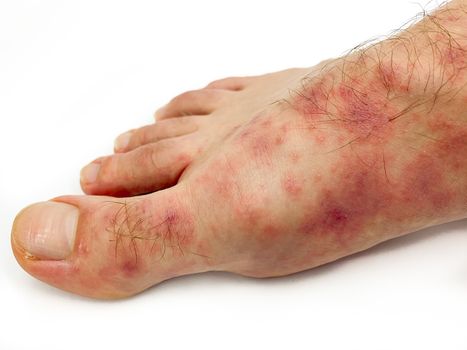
(293,170)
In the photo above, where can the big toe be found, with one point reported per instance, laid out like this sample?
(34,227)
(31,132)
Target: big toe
(107,248)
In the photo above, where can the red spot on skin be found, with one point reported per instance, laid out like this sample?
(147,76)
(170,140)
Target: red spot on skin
(279,140)
(292,186)
(174,222)
(249,211)
(427,184)
(262,138)
(455,57)
(265,123)
(451,56)
(346,209)
(416,117)
(219,178)
(282,134)
(404,87)
(362,113)
(261,146)
(449,142)
(294,157)
(359,108)
(387,74)
(313,103)
(129,268)
(179,226)
(320,138)
(183,158)
(336,218)
(271,231)
(392,79)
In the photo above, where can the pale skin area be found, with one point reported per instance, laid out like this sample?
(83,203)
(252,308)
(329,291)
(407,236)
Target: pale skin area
(269,175)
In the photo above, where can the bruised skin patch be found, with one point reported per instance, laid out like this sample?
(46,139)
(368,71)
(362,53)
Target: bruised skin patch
(344,210)
(424,185)
(370,183)
(362,116)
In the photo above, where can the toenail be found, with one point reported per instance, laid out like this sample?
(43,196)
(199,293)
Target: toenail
(122,141)
(90,172)
(47,230)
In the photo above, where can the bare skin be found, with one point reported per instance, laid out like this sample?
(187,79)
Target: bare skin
(270,175)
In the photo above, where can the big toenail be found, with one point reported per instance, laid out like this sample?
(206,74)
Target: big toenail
(47,230)
(122,141)
(90,172)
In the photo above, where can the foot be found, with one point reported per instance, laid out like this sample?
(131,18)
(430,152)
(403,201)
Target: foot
(270,175)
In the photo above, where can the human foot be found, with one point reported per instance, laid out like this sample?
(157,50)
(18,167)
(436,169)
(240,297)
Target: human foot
(288,171)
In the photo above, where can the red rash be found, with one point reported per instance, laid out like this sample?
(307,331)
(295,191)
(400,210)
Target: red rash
(454,56)
(364,115)
(261,138)
(370,184)
(142,234)
(294,157)
(421,184)
(344,210)
(362,110)
(364,196)
(292,185)
(219,178)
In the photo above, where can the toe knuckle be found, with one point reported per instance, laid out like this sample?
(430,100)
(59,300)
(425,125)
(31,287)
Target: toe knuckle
(222,81)
(141,137)
(152,156)
(107,169)
(212,94)
(184,97)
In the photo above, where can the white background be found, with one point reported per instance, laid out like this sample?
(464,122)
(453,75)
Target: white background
(74,74)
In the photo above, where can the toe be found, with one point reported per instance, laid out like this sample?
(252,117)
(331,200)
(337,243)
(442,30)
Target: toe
(145,169)
(156,132)
(231,83)
(105,247)
(197,102)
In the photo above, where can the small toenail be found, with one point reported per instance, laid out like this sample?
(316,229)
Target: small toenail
(47,230)
(122,141)
(90,172)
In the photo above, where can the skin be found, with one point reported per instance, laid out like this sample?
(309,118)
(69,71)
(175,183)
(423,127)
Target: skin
(271,175)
